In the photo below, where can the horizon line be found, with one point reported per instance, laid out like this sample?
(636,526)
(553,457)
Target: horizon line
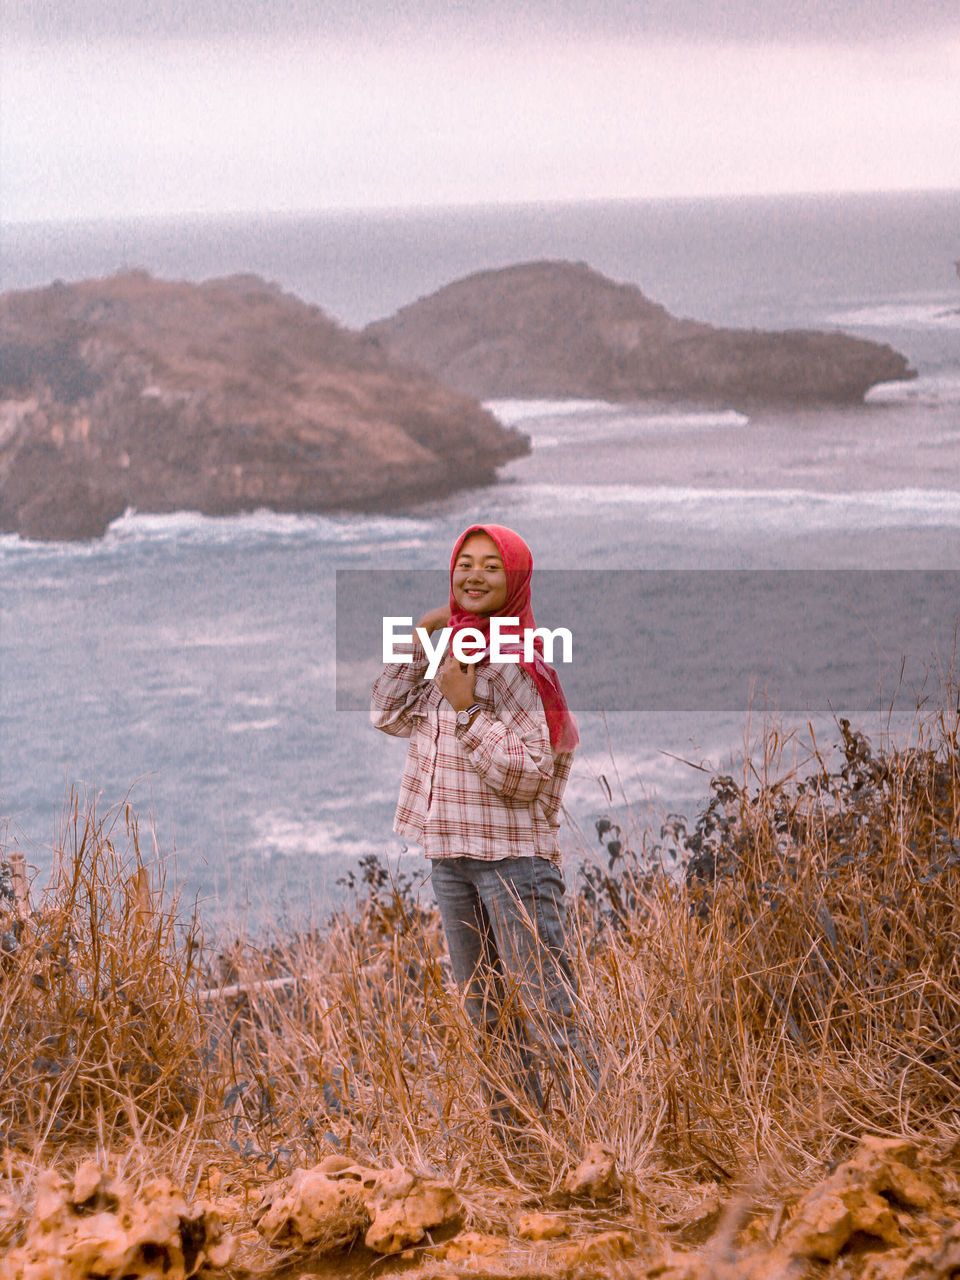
(373,210)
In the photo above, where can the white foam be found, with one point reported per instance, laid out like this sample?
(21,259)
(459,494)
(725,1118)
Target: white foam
(929,391)
(579,420)
(254,700)
(252,726)
(371,795)
(231,639)
(553,424)
(355,679)
(193,528)
(787,510)
(688,421)
(637,780)
(278,834)
(511,412)
(901,315)
(629,426)
(12,546)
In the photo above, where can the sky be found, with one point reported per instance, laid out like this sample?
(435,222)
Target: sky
(127,108)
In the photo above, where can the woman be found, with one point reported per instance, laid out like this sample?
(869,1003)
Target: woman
(491,746)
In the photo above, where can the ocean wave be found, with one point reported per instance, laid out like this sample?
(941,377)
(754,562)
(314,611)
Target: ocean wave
(630,425)
(252,726)
(256,700)
(779,509)
(573,421)
(512,412)
(134,529)
(901,315)
(13,547)
(929,391)
(192,527)
(279,835)
(635,781)
(693,421)
(372,795)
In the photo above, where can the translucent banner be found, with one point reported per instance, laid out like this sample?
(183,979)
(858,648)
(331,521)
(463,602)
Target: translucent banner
(688,640)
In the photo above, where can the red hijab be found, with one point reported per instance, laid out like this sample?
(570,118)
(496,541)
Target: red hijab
(518,566)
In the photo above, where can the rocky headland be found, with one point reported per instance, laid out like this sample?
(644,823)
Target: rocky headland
(231,395)
(219,397)
(560,329)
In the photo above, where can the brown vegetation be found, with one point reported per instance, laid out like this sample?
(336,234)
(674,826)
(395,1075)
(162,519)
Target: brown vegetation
(798,990)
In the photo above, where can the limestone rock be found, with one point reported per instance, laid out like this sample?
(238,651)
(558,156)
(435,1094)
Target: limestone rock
(829,1218)
(311,1208)
(100,1227)
(858,1197)
(219,397)
(749,1265)
(468,1244)
(558,329)
(329,1206)
(596,1251)
(875,1217)
(541,1226)
(91,1186)
(595,1177)
(404,1206)
(945,1258)
(917,1261)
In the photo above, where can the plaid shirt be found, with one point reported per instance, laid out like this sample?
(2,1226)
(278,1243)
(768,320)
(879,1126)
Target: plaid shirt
(492,790)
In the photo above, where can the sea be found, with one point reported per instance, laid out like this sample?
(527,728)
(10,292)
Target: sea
(187,666)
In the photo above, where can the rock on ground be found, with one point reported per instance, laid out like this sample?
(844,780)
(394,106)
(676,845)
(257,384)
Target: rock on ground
(595,1177)
(98,1227)
(861,1196)
(331,1205)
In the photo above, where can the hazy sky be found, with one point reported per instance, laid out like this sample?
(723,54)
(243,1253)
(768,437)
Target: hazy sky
(127,107)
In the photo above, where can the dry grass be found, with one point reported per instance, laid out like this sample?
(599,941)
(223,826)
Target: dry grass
(801,988)
(99,1022)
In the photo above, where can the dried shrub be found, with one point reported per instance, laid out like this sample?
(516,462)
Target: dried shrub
(799,985)
(99,1022)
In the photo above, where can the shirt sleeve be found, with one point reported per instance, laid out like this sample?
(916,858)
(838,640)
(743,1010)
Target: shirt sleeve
(510,747)
(399,693)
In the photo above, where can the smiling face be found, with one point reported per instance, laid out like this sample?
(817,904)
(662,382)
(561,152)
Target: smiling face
(479,580)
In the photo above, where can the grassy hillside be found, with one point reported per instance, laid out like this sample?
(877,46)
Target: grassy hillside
(797,988)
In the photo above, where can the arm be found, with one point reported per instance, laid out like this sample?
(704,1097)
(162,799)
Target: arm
(510,749)
(399,692)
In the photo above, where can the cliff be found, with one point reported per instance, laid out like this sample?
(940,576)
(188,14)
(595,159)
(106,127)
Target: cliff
(559,329)
(220,397)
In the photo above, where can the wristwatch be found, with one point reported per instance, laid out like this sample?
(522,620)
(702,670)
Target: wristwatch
(464,717)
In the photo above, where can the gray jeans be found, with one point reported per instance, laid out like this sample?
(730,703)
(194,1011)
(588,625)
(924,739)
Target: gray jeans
(504,925)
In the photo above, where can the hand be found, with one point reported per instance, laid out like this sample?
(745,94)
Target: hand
(435,619)
(457,684)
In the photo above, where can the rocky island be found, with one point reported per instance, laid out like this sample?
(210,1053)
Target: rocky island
(560,329)
(231,395)
(219,397)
